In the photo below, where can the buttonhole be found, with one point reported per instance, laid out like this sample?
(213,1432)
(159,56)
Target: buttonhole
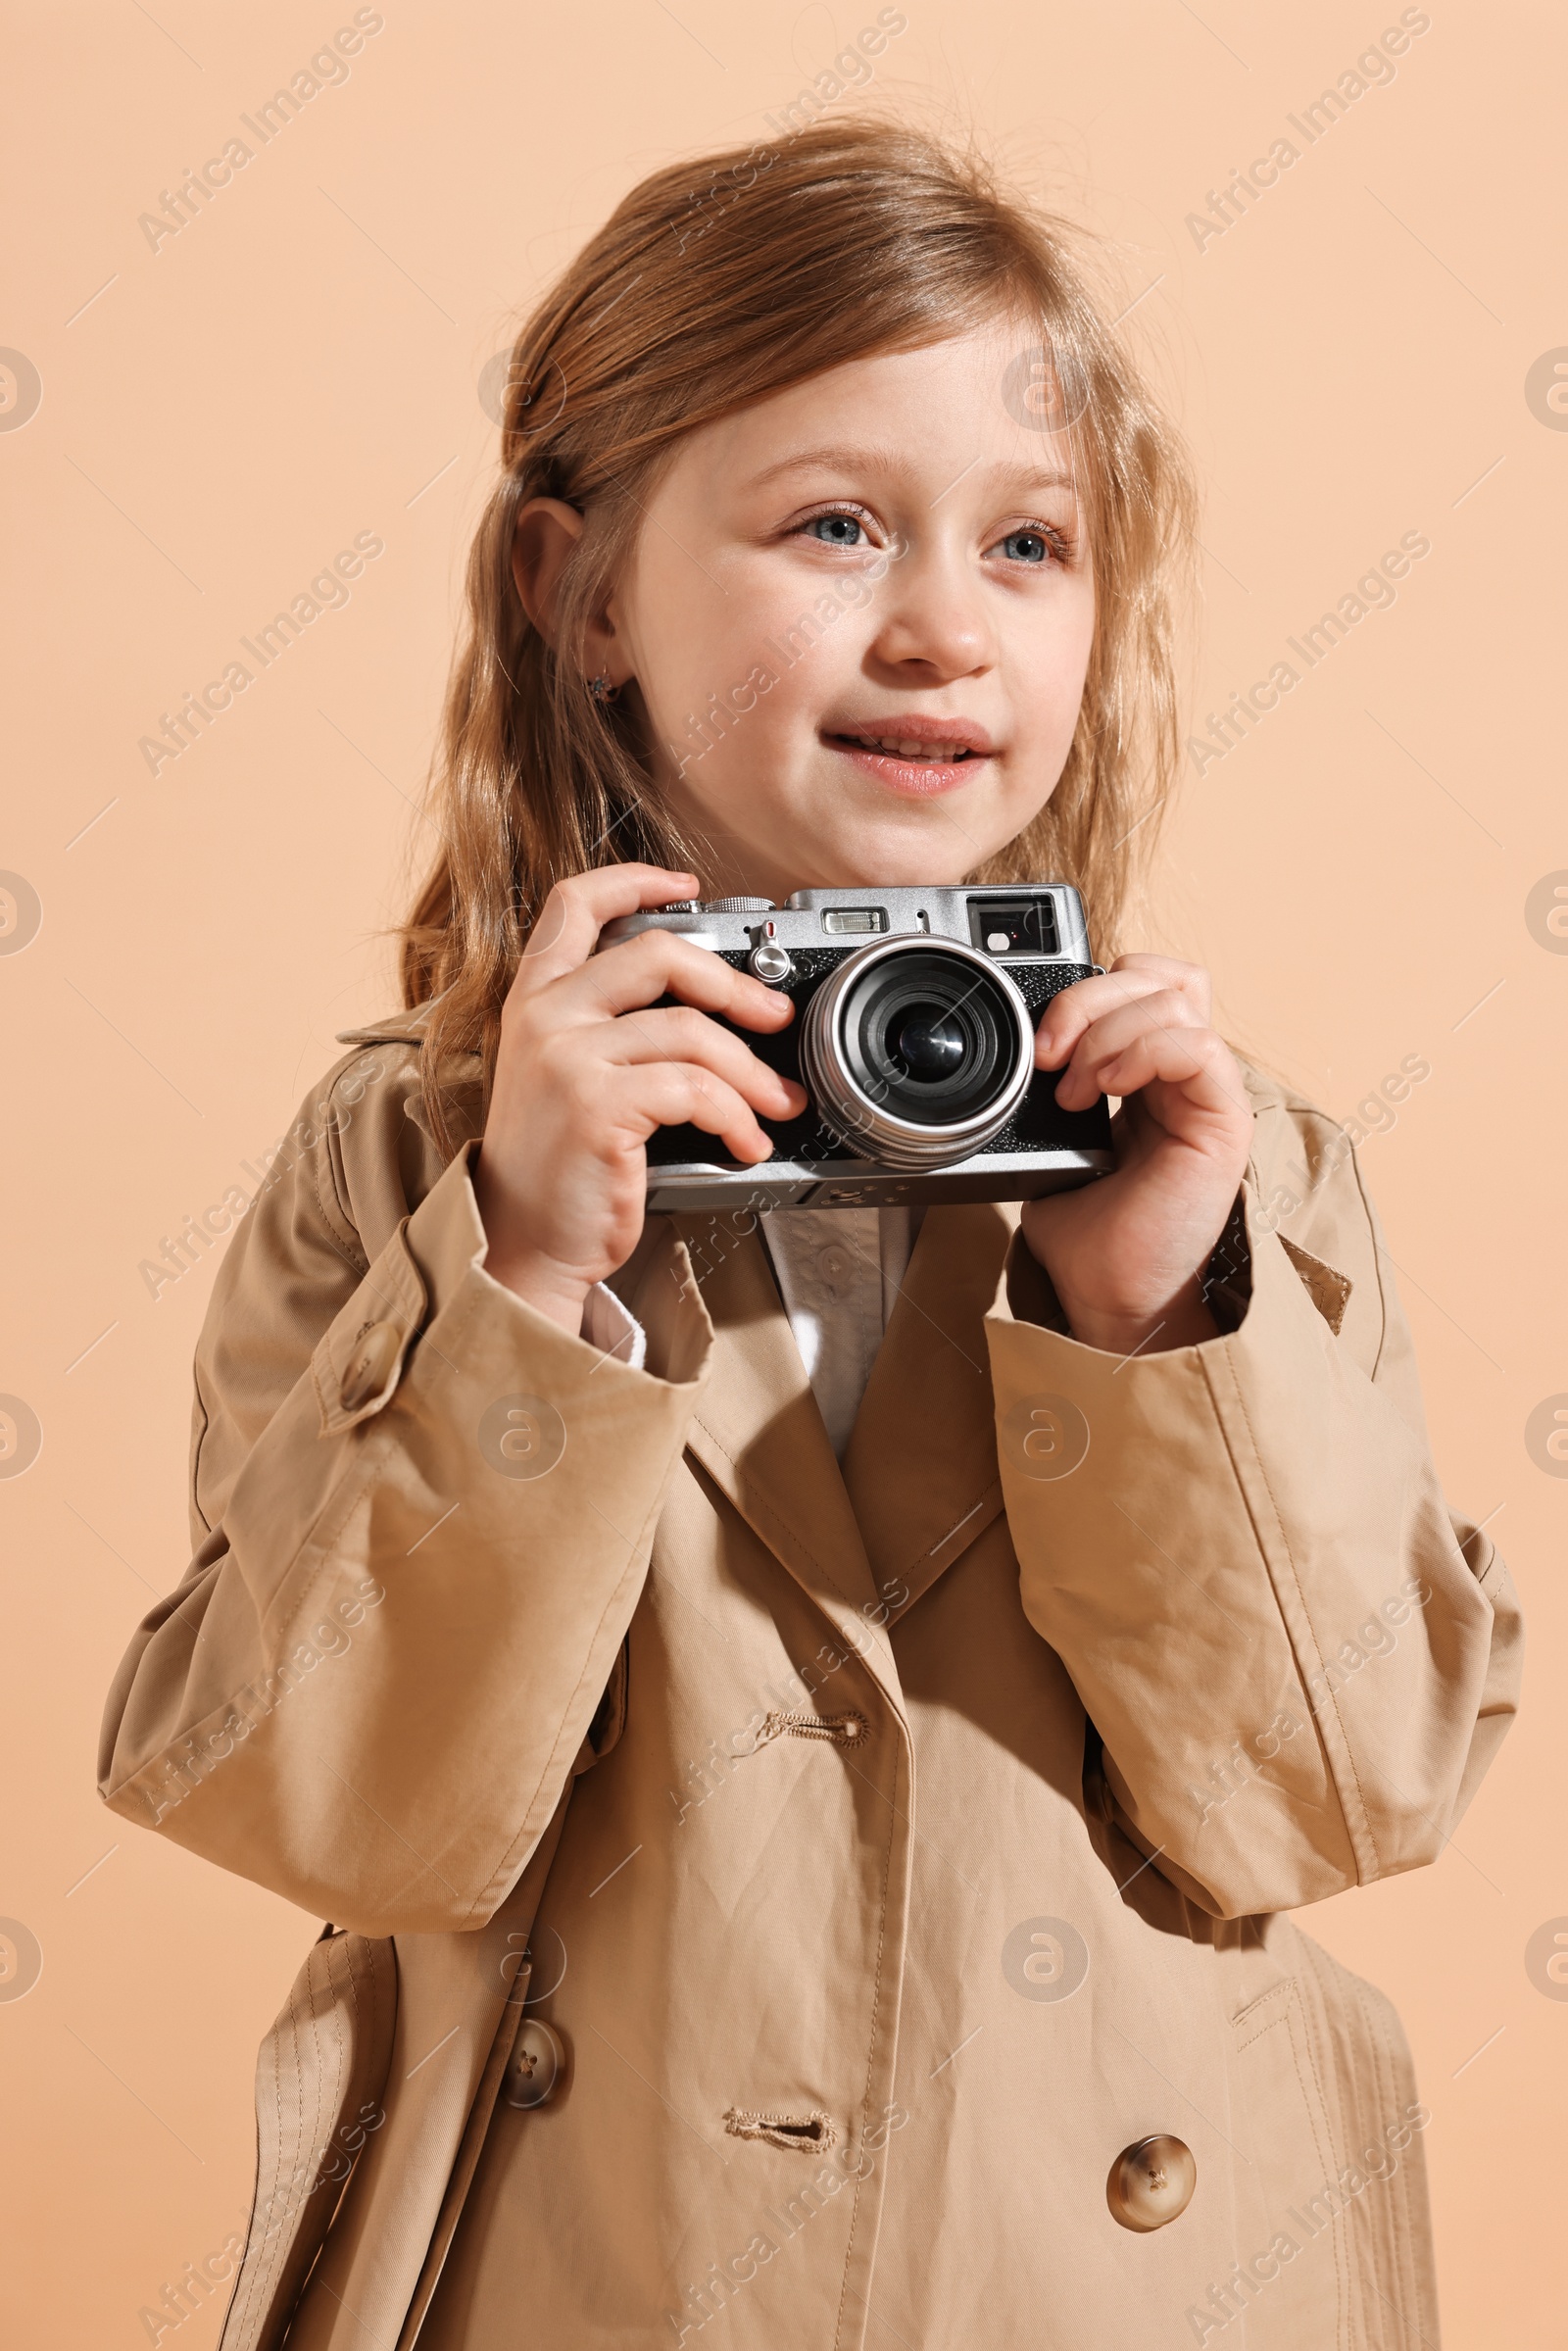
(845,1730)
(808,2132)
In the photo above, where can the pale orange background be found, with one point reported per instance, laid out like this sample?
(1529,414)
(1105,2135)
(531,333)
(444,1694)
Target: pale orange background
(299,366)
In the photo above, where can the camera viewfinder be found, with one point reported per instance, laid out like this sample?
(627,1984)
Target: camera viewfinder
(1014,927)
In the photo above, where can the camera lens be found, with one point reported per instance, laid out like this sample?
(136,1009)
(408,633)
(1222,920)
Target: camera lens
(916,1052)
(930,1042)
(925,1035)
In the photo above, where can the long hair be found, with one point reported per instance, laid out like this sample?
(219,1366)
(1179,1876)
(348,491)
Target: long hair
(712,284)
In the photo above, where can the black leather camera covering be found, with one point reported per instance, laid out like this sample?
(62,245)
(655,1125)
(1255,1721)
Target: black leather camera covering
(1036,1126)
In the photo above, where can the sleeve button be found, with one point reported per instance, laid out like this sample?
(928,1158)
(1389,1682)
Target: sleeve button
(1152,2182)
(369,1363)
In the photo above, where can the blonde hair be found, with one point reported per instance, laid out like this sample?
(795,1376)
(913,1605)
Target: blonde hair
(712,284)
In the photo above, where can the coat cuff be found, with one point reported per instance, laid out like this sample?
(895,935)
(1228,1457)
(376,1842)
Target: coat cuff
(1226,1289)
(611,1329)
(1198,1531)
(358,1361)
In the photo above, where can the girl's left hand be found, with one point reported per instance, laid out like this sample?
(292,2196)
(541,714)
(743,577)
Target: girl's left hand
(1126,1253)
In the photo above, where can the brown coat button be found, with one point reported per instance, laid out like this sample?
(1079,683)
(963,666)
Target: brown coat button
(536,2064)
(364,1374)
(1152,2182)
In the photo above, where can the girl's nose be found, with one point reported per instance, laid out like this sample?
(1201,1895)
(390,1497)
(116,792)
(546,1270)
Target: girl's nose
(933,619)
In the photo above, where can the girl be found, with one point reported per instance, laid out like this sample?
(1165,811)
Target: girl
(804,1816)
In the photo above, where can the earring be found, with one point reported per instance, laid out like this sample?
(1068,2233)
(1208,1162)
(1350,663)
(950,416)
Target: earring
(601,688)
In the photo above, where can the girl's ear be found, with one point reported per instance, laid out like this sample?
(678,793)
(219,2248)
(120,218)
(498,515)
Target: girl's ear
(547,530)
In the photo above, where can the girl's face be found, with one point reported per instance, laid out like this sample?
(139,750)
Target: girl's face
(858,615)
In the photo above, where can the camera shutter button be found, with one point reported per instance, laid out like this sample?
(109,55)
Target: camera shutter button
(771,962)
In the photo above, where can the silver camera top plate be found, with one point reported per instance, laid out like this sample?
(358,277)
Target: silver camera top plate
(825,918)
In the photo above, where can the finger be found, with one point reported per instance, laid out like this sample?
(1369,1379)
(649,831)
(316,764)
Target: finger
(1198,1061)
(1073,1009)
(1070,1016)
(567,930)
(672,1094)
(678,1033)
(1189,979)
(1116,1028)
(636,972)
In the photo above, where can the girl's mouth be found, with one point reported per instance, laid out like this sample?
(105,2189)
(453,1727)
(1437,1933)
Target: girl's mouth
(920,762)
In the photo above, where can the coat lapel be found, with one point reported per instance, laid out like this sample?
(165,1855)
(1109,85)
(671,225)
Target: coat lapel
(759,1437)
(921,1468)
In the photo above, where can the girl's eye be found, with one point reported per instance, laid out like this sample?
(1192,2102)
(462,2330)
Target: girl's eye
(835,530)
(1025,546)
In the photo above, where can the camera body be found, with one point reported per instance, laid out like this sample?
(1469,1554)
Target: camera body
(913,1036)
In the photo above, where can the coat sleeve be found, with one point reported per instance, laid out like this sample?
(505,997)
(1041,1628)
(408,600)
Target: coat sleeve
(1300,1663)
(422,1515)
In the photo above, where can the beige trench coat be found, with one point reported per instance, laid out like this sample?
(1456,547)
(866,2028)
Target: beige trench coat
(890,1851)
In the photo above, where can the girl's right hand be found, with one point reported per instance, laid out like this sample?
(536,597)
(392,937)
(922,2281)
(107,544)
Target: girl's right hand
(586,1071)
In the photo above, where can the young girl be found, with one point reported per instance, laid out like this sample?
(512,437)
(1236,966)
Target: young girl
(804,1731)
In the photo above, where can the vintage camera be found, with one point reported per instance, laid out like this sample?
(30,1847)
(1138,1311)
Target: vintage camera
(914,1037)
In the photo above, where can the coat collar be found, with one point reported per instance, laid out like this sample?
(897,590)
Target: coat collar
(756,1432)
(397,1028)
(920,1468)
(919,1480)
